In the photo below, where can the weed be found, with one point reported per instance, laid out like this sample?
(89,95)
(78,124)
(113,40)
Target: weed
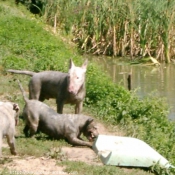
(25,44)
(5,160)
(57,153)
(79,168)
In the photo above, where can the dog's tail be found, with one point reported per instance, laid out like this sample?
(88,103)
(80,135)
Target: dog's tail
(26,72)
(23,92)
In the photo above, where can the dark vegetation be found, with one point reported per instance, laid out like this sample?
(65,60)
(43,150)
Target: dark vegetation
(26,44)
(131,28)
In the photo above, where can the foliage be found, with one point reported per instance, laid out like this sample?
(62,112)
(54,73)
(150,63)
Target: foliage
(57,153)
(22,46)
(25,44)
(145,119)
(116,27)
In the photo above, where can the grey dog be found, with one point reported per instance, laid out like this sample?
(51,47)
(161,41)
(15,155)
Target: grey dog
(65,87)
(9,114)
(41,117)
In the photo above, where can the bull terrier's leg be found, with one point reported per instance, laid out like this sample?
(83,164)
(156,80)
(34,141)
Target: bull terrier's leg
(60,105)
(33,129)
(78,142)
(0,144)
(31,125)
(72,138)
(25,130)
(34,90)
(11,143)
(78,107)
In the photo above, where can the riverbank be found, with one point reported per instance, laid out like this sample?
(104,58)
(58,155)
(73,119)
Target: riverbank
(27,43)
(145,79)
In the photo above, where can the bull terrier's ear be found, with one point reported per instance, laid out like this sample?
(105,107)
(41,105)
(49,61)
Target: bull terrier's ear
(15,107)
(71,64)
(89,121)
(84,66)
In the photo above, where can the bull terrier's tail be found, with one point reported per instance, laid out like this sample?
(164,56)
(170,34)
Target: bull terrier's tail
(23,92)
(26,72)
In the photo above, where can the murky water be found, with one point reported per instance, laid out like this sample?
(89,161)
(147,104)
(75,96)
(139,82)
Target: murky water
(146,79)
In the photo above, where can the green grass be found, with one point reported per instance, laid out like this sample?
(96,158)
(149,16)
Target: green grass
(85,169)
(40,145)
(116,27)
(26,43)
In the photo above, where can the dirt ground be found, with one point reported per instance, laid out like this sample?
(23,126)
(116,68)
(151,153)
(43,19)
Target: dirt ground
(47,166)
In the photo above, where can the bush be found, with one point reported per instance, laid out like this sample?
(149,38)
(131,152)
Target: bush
(145,119)
(31,47)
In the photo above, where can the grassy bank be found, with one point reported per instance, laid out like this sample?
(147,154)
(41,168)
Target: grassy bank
(26,43)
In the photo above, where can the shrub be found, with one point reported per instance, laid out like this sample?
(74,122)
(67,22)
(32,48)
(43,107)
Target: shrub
(31,47)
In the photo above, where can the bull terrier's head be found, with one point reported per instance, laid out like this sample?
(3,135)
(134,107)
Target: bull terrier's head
(17,109)
(76,77)
(90,130)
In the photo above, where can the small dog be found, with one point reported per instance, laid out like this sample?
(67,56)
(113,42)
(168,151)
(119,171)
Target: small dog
(64,87)
(9,115)
(41,117)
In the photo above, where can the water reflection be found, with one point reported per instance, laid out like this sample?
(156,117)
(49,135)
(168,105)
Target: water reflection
(146,79)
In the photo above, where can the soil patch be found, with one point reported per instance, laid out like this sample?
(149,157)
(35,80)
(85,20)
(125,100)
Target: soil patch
(48,166)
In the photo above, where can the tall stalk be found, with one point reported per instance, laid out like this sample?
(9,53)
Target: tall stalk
(167,23)
(117,27)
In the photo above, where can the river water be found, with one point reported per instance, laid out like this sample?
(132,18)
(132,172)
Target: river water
(146,79)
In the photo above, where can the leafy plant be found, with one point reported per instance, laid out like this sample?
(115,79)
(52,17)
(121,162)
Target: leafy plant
(25,44)
(116,27)
(57,153)
(79,167)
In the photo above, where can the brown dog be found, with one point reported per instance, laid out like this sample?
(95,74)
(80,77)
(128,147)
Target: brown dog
(65,87)
(41,117)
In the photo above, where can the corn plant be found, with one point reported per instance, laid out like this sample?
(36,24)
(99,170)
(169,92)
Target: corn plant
(117,27)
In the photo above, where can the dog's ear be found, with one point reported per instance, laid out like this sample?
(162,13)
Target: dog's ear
(90,120)
(71,64)
(15,107)
(84,65)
